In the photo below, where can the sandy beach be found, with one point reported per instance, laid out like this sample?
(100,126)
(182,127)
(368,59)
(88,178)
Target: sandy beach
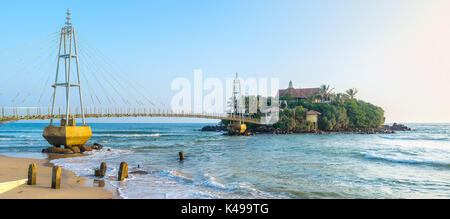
(72,187)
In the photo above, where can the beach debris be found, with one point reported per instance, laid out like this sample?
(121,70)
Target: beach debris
(56,177)
(181,153)
(102,171)
(32,169)
(123,171)
(139,172)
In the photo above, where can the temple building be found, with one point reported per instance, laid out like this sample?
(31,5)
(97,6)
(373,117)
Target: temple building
(299,93)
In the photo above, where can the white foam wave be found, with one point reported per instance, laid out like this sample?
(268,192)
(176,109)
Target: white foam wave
(129,135)
(404,160)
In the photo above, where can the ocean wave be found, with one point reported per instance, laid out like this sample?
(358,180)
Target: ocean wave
(124,132)
(204,195)
(210,181)
(20,138)
(405,160)
(426,138)
(158,146)
(128,135)
(181,177)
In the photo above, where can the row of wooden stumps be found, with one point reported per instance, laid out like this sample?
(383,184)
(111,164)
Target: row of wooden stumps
(123,169)
(56,176)
(56,172)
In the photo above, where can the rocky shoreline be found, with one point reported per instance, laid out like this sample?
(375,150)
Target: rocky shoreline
(76,149)
(268,129)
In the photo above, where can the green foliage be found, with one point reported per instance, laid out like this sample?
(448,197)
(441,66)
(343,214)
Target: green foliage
(325,92)
(332,118)
(292,120)
(364,115)
(343,111)
(338,115)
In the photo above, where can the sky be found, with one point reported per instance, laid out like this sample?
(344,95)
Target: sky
(396,53)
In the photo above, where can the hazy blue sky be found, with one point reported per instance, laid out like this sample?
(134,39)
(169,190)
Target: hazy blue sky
(396,53)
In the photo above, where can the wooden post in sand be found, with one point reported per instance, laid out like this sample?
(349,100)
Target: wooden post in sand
(181,155)
(123,171)
(32,174)
(56,177)
(102,171)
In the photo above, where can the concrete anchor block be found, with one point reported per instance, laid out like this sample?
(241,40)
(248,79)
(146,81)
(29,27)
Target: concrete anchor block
(32,169)
(56,177)
(123,171)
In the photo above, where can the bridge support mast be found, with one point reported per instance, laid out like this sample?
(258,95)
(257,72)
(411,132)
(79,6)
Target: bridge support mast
(67,133)
(237,127)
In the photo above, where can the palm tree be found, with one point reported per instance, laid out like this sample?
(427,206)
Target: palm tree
(352,92)
(325,92)
(340,97)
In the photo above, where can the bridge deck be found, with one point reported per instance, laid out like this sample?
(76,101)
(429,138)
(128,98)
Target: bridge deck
(105,115)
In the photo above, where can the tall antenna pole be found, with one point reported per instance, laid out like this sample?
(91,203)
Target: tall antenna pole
(68,52)
(69,56)
(236,96)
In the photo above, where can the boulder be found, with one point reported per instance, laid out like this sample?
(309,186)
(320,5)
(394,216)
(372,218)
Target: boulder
(400,127)
(53,149)
(67,151)
(75,149)
(84,148)
(97,146)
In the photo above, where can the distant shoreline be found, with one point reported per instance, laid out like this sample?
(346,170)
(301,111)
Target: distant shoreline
(267,129)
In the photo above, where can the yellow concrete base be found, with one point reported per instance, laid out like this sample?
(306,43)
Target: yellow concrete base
(67,135)
(237,128)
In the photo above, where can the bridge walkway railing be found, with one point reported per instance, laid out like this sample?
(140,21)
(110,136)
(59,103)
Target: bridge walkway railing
(44,113)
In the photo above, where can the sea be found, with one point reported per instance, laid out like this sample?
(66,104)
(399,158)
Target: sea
(413,164)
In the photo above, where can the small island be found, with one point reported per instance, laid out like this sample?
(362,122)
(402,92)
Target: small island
(319,110)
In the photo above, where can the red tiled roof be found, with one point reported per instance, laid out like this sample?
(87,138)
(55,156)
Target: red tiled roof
(313,112)
(298,93)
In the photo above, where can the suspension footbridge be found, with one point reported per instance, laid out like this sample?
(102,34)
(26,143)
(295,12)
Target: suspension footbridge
(77,64)
(11,114)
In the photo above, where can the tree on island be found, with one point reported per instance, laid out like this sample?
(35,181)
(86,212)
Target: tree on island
(339,112)
(340,97)
(325,92)
(352,92)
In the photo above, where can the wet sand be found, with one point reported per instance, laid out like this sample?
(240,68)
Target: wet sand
(72,187)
